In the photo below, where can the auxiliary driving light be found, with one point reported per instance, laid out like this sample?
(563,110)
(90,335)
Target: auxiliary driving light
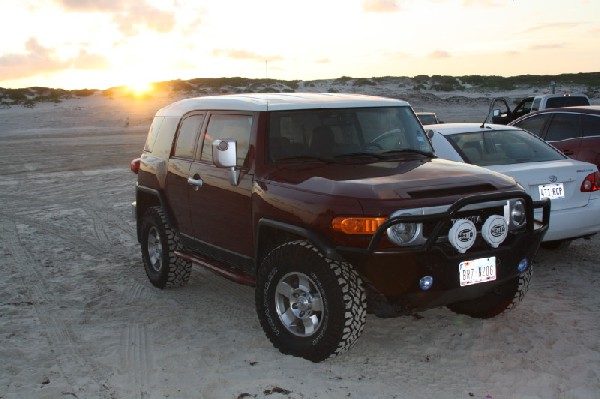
(523,265)
(494,230)
(426,282)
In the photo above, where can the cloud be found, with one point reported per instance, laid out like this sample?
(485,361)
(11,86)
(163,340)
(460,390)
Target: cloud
(244,55)
(552,26)
(129,15)
(41,60)
(381,6)
(546,46)
(438,54)
(481,3)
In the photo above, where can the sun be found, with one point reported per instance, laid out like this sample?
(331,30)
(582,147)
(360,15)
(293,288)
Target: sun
(140,88)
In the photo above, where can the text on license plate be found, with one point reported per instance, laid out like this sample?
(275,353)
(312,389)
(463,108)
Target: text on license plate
(552,191)
(477,271)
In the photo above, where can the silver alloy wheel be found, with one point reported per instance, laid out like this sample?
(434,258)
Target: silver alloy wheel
(299,304)
(155,249)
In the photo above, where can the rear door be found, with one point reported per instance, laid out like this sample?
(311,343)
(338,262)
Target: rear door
(590,143)
(177,186)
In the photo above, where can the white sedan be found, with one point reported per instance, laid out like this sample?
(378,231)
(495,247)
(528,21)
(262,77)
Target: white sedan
(572,186)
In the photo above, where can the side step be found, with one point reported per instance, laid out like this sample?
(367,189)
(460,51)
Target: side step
(219,268)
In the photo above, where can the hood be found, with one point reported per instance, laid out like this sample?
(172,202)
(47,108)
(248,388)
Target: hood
(410,179)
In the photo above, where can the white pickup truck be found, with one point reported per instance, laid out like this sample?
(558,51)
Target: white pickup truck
(499,111)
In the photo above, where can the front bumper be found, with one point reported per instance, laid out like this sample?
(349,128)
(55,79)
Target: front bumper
(392,275)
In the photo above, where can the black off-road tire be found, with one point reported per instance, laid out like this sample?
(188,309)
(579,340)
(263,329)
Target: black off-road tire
(504,298)
(159,243)
(324,302)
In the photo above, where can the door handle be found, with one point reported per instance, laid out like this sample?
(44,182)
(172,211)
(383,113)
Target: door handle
(568,152)
(195,182)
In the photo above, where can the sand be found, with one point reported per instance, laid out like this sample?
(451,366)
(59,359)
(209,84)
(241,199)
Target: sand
(79,319)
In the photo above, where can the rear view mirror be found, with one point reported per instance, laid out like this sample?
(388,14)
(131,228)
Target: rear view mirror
(225,156)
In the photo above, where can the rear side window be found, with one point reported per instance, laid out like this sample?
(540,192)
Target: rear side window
(591,125)
(152,133)
(563,127)
(160,137)
(534,124)
(188,136)
(227,126)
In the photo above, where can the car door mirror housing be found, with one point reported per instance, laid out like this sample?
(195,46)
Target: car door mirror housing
(225,156)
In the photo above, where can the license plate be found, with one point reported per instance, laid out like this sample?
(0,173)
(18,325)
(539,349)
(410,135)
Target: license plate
(552,191)
(477,271)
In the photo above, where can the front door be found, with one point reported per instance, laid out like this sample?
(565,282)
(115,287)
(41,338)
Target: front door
(221,213)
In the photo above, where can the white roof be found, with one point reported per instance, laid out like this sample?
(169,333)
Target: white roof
(277,102)
(455,128)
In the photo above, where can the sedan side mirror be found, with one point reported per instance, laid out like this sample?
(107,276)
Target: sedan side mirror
(225,156)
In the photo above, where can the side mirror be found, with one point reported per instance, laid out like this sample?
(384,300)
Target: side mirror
(225,156)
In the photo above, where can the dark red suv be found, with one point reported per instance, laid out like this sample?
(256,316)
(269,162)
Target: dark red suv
(573,130)
(331,205)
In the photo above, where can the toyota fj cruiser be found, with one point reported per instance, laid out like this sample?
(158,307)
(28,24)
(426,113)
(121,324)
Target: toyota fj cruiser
(331,205)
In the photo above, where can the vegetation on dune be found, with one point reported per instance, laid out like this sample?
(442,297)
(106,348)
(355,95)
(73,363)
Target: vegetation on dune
(202,86)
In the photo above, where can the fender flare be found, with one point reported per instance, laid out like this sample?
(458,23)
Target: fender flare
(322,243)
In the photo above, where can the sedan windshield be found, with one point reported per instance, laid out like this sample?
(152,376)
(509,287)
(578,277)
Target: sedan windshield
(343,134)
(502,147)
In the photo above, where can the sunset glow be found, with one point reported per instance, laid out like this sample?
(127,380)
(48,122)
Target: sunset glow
(77,44)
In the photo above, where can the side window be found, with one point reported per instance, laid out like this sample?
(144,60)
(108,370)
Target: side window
(563,127)
(226,126)
(188,136)
(164,140)
(152,133)
(591,125)
(534,124)
(535,106)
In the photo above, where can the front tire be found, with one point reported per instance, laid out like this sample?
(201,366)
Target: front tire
(308,305)
(159,243)
(503,298)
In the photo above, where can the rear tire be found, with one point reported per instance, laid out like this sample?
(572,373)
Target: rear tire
(308,305)
(503,298)
(159,243)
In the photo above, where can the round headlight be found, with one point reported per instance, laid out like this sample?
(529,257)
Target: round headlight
(403,233)
(517,213)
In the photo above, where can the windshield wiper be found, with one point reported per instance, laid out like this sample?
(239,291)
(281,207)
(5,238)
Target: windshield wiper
(410,151)
(359,155)
(304,158)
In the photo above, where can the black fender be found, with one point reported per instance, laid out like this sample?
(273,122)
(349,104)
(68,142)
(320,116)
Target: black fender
(322,243)
(142,205)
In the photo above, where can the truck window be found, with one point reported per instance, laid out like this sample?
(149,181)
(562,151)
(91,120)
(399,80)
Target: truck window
(566,101)
(188,136)
(228,126)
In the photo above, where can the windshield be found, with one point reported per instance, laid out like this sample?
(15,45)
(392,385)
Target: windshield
(502,147)
(345,133)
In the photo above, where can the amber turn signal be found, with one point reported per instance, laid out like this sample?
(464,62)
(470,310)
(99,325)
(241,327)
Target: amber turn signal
(357,225)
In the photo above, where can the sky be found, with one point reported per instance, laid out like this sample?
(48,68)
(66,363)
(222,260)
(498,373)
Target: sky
(77,44)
